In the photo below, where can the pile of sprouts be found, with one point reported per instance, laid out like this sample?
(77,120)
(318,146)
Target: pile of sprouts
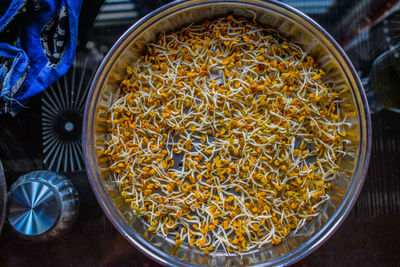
(225,136)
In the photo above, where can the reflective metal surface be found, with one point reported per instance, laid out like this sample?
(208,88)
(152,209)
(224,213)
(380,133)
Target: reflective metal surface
(288,22)
(33,208)
(42,205)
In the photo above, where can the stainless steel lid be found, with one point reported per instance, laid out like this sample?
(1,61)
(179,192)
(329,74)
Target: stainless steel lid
(34,207)
(42,205)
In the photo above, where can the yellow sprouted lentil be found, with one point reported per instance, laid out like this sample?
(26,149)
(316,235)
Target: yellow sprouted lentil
(258,129)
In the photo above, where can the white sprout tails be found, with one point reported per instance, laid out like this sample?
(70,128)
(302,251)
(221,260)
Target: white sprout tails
(225,137)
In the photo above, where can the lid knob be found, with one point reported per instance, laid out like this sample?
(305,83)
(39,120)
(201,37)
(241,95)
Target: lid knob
(41,205)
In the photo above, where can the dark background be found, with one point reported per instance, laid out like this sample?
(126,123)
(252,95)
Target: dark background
(366,29)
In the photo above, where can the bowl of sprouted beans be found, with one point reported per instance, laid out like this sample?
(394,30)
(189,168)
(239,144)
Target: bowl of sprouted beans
(226,133)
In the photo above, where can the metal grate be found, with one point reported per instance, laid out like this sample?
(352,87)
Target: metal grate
(116,12)
(311,7)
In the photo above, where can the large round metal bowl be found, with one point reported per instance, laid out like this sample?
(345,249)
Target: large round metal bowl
(298,28)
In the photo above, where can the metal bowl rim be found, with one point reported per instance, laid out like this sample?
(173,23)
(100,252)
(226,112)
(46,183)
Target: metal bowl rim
(316,240)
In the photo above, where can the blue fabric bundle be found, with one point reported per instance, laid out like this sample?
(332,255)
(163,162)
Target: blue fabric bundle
(37,44)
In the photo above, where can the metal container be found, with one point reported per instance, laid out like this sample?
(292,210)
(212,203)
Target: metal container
(42,205)
(298,28)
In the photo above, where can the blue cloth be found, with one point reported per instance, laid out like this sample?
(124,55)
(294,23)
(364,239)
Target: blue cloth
(12,10)
(13,70)
(48,40)
(10,13)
